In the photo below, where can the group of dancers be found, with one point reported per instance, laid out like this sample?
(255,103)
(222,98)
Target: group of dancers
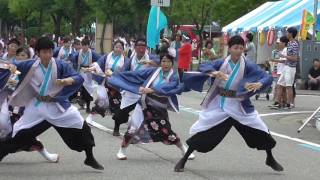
(139,90)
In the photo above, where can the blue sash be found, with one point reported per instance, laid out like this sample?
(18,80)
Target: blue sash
(85,59)
(116,60)
(45,82)
(235,69)
(161,79)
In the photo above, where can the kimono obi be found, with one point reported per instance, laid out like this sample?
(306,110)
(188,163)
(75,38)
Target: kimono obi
(84,66)
(45,98)
(226,93)
(157,101)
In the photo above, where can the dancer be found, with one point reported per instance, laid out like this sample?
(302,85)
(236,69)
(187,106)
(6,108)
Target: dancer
(44,87)
(139,60)
(227,104)
(150,120)
(83,59)
(16,112)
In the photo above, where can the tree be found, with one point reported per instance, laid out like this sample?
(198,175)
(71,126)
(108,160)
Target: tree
(22,9)
(107,11)
(8,20)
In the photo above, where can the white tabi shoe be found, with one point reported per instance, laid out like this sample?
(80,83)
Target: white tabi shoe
(122,154)
(184,150)
(54,158)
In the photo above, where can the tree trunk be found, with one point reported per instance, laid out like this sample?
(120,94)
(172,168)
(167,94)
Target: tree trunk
(102,35)
(57,25)
(77,18)
(40,21)
(23,32)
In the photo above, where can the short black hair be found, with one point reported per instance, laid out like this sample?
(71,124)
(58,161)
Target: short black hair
(76,42)
(235,40)
(249,36)
(208,42)
(293,31)
(285,40)
(316,59)
(118,41)
(14,41)
(66,39)
(140,40)
(167,55)
(85,42)
(24,49)
(44,43)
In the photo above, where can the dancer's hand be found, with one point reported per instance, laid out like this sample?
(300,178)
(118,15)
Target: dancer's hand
(219,75)
(65,81)
(12,68)
(253,86)
(89,69)
(144,90)
(148,62)
(108,72)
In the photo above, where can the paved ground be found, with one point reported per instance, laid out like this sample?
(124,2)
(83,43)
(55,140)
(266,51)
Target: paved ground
(232,159)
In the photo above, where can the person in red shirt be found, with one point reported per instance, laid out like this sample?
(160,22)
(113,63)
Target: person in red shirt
(185,55)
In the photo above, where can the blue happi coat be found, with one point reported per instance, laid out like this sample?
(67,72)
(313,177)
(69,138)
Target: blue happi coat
(133,80)
(64,70)
(252,73)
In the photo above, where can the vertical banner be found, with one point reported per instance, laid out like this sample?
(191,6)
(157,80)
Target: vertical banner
(307,22)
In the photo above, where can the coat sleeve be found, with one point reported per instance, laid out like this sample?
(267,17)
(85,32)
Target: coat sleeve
(130,80)
(127,64)
(254,74)
(211,66)
(4,76)
(66,71)
(56,52)
(95,56)
(74,60)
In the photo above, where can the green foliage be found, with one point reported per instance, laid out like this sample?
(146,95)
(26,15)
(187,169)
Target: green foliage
(65,16)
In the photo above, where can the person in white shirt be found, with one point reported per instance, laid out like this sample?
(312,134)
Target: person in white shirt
(280,97)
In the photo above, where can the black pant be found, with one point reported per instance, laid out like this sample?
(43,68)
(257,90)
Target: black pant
(181,72)
(85,95)
(76,139)
(122,115)
(207,140)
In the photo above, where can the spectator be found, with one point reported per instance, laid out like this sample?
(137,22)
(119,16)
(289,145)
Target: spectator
(314,75)
(208,53)
(250,49)
(176,44)
(288,74)
(185,53)
(280,98)
(10,55)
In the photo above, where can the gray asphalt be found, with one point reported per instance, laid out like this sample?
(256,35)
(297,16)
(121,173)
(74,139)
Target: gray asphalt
(232,159)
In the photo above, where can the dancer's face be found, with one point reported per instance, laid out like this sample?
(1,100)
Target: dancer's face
(118,49)
(140,48)
(85,48)
(45,55)
(22,56)
(236,51)
(166,64)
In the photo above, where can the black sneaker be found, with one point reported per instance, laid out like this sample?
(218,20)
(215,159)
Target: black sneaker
(274,104)
(277,106)
(289,106)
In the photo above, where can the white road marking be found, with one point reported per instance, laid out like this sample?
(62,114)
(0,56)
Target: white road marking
(312,145)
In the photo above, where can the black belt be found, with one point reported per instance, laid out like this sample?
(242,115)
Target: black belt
(46,99)
(227,93)
(83,66)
